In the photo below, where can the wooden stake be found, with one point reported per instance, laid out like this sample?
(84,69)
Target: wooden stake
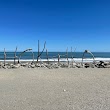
(71,52)
(38,51)
(15,56)
(72,55)
(67,53)
(58,58)
(4,57)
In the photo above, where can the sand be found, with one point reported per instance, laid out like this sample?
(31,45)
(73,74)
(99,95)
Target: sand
(55,89)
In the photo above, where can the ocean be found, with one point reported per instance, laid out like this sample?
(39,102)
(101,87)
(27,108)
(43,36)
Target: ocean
(54,56)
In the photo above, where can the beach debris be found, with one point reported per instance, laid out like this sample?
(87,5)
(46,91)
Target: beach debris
(89,65)
(64,65)
(40,53)
(37,65)
(64,90)
(5,67)
(15,55)
(58,58)
(79,65)
(15,66)
(67,53)
(56,66)
(100,64)
(43,65)
(4,57)
(103,64)
(24,64)
(32,66)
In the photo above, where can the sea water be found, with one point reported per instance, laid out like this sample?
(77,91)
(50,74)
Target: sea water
(53,56)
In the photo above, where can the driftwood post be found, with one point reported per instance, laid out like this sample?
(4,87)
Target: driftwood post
(67,55)
(4,57)
(58,58)
(72,55)
(40,53)
(15,56)
(47,56)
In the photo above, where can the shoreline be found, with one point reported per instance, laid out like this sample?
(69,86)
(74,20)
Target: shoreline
(54,64)
(61,60)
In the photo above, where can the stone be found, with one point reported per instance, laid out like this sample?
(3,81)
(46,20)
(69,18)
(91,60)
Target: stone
(64,90)
(5,67)
(32,66)
(15,66)
(24,64)
(37,65)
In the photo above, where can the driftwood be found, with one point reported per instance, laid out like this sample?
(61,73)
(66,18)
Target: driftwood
(40,53)
(87,51)
(72,55)
(24,52)
(58,58)
(67,53)
(4,57)
(15,56)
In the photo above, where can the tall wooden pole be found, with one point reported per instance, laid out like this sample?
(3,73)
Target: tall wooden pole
(67,53)
(38,51)
(58,58)
(4,57)
(71,52)
(72,55)
(15,56)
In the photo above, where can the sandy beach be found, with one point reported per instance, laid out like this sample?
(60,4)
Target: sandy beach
(55,89)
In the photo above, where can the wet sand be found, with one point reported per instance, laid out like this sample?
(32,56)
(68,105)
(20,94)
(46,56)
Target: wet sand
(55,89)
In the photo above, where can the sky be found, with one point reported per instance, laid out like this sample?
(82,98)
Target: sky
(80,24)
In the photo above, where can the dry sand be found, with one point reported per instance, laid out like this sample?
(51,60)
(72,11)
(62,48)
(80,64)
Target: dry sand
(55,89)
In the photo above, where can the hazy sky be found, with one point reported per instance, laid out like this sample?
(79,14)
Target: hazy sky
(84,24)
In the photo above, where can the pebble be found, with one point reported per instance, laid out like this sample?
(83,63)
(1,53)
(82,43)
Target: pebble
(64,90)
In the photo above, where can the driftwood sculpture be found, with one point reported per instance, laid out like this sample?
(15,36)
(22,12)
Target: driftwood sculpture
(87,51)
